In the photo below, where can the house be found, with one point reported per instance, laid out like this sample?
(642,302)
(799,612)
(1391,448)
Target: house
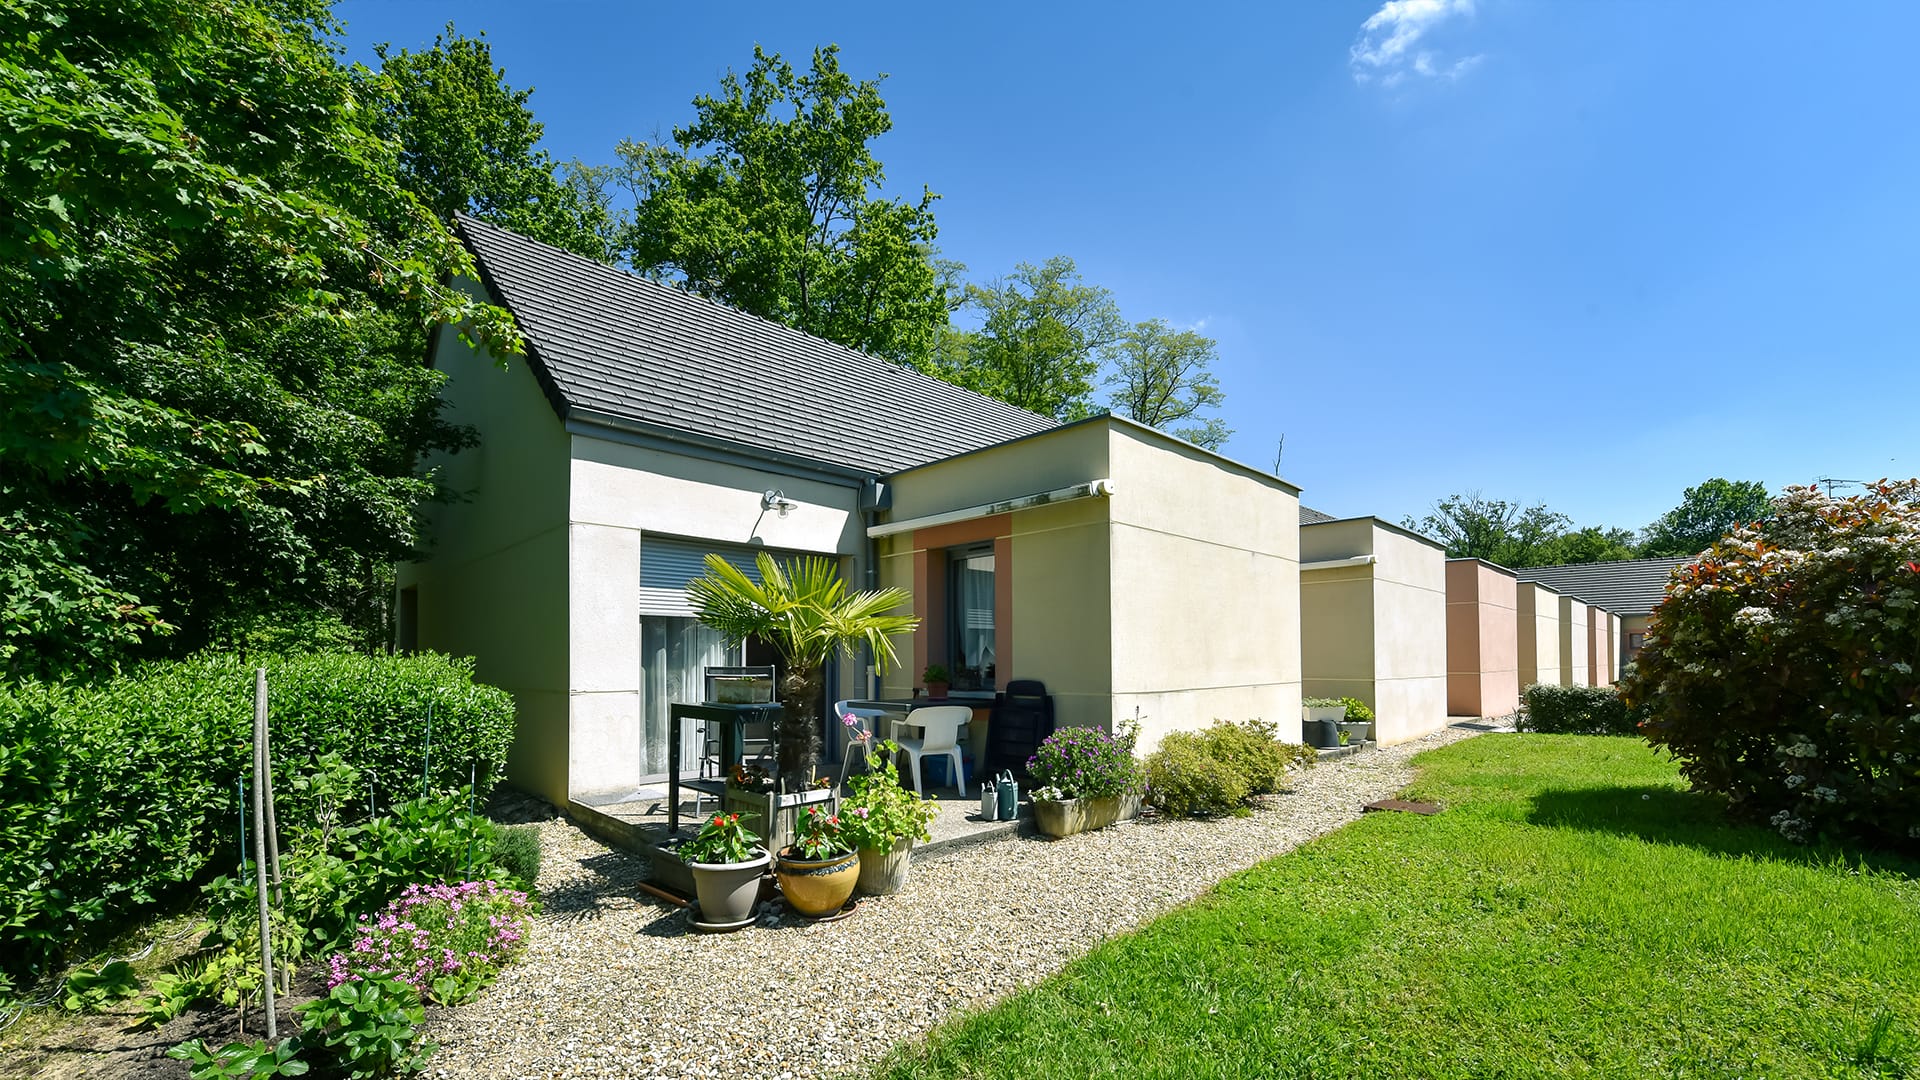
(1629,588)
(648,427)
(1373,621)
(1483,648)
(1537,633)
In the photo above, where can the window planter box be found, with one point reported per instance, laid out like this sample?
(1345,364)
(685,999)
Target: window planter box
(1069,816)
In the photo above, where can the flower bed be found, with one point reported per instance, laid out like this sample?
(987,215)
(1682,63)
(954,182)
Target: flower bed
(446,941)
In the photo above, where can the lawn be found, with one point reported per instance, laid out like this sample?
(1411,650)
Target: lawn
(1574,911)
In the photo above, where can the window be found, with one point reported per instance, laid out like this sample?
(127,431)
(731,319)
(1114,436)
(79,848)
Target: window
(970,617)
(675,654)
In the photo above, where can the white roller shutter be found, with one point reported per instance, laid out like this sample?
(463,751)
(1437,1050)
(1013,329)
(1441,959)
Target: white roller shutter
(666,565)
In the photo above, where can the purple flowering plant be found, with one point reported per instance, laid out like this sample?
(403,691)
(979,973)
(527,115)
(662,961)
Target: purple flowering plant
(446,941)
(1087,763)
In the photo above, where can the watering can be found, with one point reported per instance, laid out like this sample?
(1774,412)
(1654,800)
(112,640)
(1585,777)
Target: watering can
(989,802)
(1009,793)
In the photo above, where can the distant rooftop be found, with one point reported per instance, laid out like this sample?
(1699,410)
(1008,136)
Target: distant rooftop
(1624,587)
(610,345)
(1310,516)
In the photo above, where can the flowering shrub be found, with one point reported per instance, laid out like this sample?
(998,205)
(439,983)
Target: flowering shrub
(445,941)
(880,812)
(1087,763)
(1780,668)
(722,840)
(819,835)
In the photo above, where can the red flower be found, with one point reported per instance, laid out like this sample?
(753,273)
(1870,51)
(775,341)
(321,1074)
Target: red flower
(1914,566)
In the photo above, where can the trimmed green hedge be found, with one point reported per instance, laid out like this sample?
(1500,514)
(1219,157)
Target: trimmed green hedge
(113,795)
(1575,710)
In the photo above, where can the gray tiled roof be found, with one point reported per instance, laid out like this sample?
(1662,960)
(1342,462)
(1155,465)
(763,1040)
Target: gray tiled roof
(1310,516)
(608,342)
(1627,587)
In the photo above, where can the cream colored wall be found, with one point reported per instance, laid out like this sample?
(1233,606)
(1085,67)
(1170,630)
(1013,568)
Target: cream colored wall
(494,586)
(1410,636)
(1537,624)
(1044,462)
(621,494)
(1616,640)
(1573,641)
(1337,631)
(1597,646)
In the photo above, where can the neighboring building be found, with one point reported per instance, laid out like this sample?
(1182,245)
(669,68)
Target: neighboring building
(1629,588)
(648,427)
(1373,621)
(1599,656)
(1573,641)
(1537,634)
(1483,656)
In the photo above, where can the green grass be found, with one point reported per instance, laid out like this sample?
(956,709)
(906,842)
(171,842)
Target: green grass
(1572,912)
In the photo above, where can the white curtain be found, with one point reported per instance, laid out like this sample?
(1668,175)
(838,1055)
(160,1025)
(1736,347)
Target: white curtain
(973,604)
(674,656)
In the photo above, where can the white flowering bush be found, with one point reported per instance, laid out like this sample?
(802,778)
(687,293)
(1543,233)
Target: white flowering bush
(1779,671)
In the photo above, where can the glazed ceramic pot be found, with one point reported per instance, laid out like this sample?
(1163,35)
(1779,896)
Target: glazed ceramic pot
(817,887)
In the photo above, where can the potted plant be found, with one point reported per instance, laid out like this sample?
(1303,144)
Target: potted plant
(937,681)
(1358,722)
(818,871)
(727,862)
(805,612)
(1088,779)
(882,819)
(1320,722)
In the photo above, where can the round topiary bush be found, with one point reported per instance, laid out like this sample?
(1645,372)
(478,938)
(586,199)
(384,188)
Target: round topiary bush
(1780,670)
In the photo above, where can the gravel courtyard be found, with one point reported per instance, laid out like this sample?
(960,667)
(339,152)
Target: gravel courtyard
(615,984)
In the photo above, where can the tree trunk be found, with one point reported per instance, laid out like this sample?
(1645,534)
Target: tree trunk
(797,737)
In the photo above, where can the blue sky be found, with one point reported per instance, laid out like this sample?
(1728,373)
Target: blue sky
(1585,254)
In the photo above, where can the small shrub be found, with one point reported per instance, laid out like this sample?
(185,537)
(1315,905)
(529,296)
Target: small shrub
(1186,780)
(1086,763)
(878,811)
(1575,710)
(447,942)
(1255,751)
(1783,668)
(516,851)
(366,1028)
(1357,711)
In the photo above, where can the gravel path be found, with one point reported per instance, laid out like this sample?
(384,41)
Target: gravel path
(614,984)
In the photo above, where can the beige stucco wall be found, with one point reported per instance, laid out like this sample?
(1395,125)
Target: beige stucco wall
(1573,641)
(1537,634)
(622,493)
(1629,626)
(1597,646)
(494,586)
(1377,631)
(1176,596)
(1483,663)
(1615,640)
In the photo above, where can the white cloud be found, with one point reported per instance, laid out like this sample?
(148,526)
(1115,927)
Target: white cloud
(1386,49)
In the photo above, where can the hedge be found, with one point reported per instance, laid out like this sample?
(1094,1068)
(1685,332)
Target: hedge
(115,795)
(1575,710)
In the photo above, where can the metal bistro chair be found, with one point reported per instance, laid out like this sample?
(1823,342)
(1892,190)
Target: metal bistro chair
(941,727)
(868,730)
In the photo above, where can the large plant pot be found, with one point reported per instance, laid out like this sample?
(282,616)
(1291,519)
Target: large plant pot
(1358,731)
(728,891)
(1062,818)
(883,871)
(817,887)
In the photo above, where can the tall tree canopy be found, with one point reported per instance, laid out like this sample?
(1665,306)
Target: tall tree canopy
(770,201)
(1160,378)
(1473,526)
(1705,514)
(1042,338)
(212,286)
(469,143)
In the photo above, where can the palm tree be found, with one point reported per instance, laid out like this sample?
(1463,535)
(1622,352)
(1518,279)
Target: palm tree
(805,612)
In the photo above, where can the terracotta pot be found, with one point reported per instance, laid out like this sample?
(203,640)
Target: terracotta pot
(728,891)
(817,887)
(883,871)
(937,691)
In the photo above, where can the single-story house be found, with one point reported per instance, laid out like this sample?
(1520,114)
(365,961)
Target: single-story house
(1373,621)
(648,427)
(1630,588)
(1483,648)
(1537,624)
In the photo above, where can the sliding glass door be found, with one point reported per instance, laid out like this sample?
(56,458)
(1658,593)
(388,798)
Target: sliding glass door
(674,655)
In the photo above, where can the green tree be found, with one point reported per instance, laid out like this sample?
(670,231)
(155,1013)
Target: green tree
(805,612)
(1592,544)
(1160,378)
(770,201)
(1475,527)
(203,255)
(1042,336)
(1705,514)
(469,143)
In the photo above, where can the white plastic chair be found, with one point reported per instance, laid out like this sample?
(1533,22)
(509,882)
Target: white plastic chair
(869,717)
(940,725)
